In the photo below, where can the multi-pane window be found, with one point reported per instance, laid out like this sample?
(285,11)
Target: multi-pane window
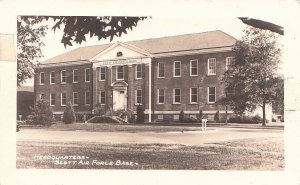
(211,66)
(102,74)
(63,99)
(42,78)
(120,72)
(42,96)
(161,96)
(161,70)
(177,95)
(229,62)
(87,74)
(102,98)
(194,95)
(139,96)
(75,76)
(138,71)
(194,67)
(87,98)
(52,77)
(75,98)
(211,94)
(177,68)
(63,78)
(52,99)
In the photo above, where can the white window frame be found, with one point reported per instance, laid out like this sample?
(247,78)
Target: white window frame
(61,98)
(74,76)
(158,68)
(136,71)
(50,99)
(228,60)
(41,78)
(85,98)
(73,102)
(61,76)
(208,93)
(117,73)
(174,96)
(100,97)
(208,66)
(175,70)
(158,95)
(191,61)
(51,77)
(136,97)
(160,117)
(197,94)
(100,74)
(85,80)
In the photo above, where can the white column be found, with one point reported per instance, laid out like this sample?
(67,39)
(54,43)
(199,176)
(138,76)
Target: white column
(150,90)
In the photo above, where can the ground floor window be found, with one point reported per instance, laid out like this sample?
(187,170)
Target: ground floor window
(194,95)
(211,94)
(63,99)
(161,96)
(139,96)
(177,96)
(160,117)
(42,96)
(75,98)
(176,117)
(87,98)
(52,99)
(102,98)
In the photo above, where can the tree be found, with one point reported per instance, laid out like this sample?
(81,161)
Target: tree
(42,114)
(253,78)
(32,28)
(69,114)
(140,115)
(217,117)
(200,116)
(181,116)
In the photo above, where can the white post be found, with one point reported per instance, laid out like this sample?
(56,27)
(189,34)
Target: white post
(150,90)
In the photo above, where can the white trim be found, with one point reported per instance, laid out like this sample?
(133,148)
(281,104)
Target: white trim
(74,76)
(61,99)
(191,67)
(41,78)
(227,61)
(50,77)
(191,95)
(174,96)
(158,97)
(150,92)
(68,63)
(215,61)
(159,68)
(61,77)
(85,102)
(208,96)
(101,73)
(137,71)
(174,68)
(117,72)
(193,112)
(85,75)
(74,99)
(51,99)
(136,91)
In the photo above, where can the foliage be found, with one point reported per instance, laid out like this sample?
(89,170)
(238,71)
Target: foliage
(189,120)
(217,116)
(42,114)
(245,119)
(122,114)
(200,116)
(253,77)
(181,116)
(140,115)
(69,114)
(99,110)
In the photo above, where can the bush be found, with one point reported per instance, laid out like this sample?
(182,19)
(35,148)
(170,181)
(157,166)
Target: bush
(69,114)
(140,115)
(245,119)
(181,116)
(99,110)
(217,116)
(200,116)
(189,120)
(42,114)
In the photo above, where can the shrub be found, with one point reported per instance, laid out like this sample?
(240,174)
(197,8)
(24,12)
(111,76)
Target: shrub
(200,114)
(99,110)
(69,114)
(140,115)
(257,119)
(245,119)
(42,114)
(217,116)
(189,120)
(181,116)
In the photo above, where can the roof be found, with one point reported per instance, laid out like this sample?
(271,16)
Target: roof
(204,40)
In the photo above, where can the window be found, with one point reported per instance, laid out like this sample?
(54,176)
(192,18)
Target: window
(75,98)
(63,99)
(138,71)
(87,75)
(138,98)
(176,117)
(75,76)
(87,98)
(102,74)
(229,92)
(160,117)
(177,69)
(229,62)
(211,66)
(63,77)
(120,72)
(176,96)
(161,70)
(161,96)
(211,94)
(194,67)
(102,98)
(42,78)
(52,77)
(194,95)
(42,96)
(52,99)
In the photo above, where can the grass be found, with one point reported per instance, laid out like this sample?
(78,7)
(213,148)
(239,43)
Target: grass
(251,154)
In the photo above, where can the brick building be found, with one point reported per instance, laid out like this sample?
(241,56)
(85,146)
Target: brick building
(165,75)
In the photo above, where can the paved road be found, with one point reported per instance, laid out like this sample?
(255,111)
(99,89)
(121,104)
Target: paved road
(216,135)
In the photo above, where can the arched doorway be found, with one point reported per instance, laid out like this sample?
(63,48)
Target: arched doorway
(119,95)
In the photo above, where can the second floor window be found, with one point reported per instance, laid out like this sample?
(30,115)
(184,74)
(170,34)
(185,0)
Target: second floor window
(42,78)
(75,76)
(161,70)
(161,96)
(229,62)
(194,67)
(63,77)
(211,66)
(102,74)
(52,77)
(87,74)
(120,72)
(177,69)
(176,96)
(138,71)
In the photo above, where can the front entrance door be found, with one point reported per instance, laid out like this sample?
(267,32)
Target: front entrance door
(119,99)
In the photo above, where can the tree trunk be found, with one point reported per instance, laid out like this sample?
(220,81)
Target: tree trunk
(264,113)
(225,114)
